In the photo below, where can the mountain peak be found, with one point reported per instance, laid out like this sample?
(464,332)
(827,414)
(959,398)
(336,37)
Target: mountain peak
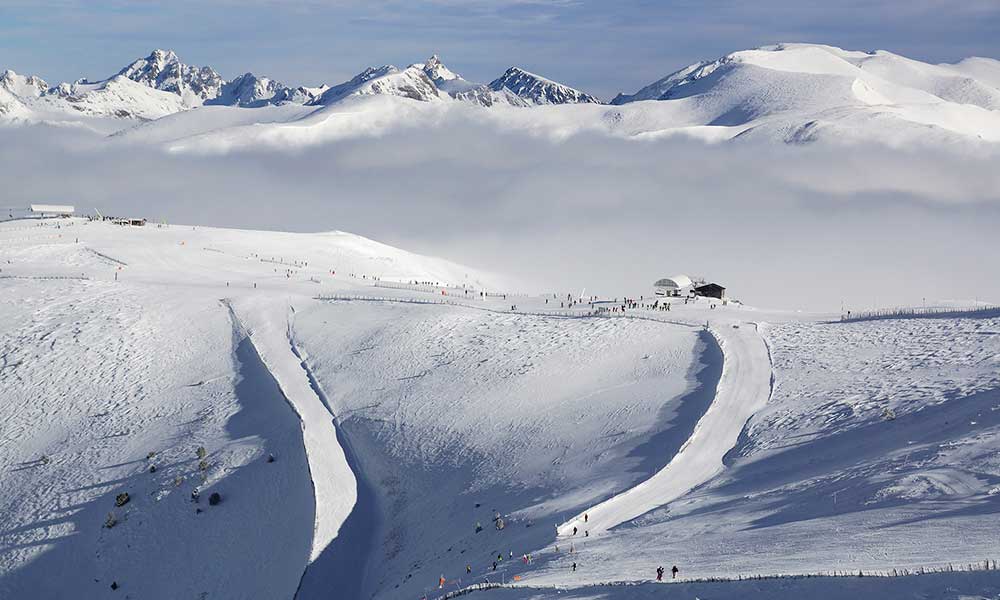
(163,70)
(22,85)
(436,70)
(159,54)
(539,90)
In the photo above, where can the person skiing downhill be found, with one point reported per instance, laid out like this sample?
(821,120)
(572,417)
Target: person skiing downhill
(659,573)
(674,572)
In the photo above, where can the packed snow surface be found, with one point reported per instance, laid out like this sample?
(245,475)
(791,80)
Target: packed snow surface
(376,421)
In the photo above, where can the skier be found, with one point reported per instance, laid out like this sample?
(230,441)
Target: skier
(586,517)
(674,572)
(468,569)
(441,582)
(574,567)
(659,573)
(574,530)
(494,565)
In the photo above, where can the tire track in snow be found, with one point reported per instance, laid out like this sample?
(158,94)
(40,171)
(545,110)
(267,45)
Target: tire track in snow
(744,388)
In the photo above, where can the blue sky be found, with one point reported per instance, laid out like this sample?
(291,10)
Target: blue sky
(601,47)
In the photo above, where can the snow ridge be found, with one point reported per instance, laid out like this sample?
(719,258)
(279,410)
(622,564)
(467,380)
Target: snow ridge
(538,90)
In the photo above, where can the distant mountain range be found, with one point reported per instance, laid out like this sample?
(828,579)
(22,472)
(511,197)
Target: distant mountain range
(192,86)
(793,92)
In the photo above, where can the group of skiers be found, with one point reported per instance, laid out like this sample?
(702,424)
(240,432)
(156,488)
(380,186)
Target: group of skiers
(527,559)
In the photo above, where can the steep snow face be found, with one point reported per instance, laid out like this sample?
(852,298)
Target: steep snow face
(442,76)
(24,86)
(484,96)
(536,89)
(249,90)
(116,97)
(412,83)
(660,89)
(299,95)
(162,70)
(15,91)
(11,108)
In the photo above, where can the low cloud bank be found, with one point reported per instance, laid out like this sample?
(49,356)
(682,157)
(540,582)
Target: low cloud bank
(799,227)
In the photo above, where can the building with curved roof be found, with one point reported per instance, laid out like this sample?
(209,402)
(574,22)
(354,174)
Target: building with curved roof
(671,286)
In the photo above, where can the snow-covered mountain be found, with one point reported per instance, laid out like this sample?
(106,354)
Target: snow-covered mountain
(163,70)
(462,89)
(536,89)
(444,78)
(801,92)
(412,83)
(791,93)
(248,90)
(21,85)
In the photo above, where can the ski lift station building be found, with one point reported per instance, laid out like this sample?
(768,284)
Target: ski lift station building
(672,286)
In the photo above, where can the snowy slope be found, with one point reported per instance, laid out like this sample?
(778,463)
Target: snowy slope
(766,443)
(801,92)
(11,107)
(118,97)
(81,353)
(412,83)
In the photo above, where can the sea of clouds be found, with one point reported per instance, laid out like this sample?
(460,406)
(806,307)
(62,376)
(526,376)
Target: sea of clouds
(811,227)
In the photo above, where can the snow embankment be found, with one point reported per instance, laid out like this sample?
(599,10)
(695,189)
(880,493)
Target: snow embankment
(743,390)
(334,484)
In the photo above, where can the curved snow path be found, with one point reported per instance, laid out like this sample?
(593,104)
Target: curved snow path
(744,388)
(334,485)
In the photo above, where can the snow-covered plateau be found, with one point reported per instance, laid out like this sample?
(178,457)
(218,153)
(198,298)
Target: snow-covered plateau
(786,93)
(193,412)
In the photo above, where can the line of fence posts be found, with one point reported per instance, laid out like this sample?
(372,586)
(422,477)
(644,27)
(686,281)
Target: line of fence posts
(986,565)
(896,313)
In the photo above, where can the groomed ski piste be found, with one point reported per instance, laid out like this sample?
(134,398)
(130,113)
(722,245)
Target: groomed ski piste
(366,414)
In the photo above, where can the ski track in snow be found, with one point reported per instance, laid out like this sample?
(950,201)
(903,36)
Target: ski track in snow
(332,478)
(744,389)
